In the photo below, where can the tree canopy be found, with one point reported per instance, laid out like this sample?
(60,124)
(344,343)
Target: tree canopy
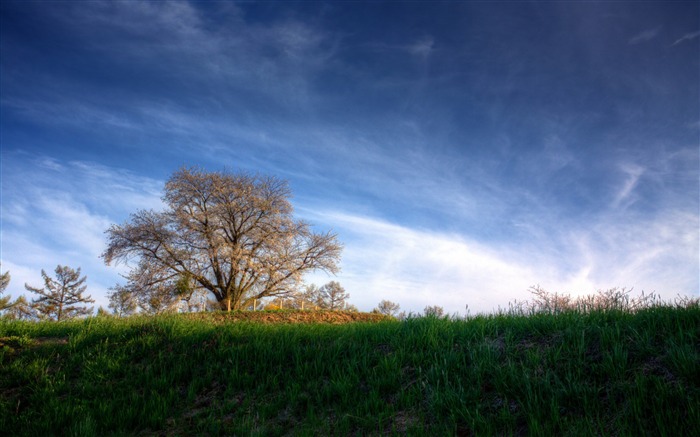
(232,234)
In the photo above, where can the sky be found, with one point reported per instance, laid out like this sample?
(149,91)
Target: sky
(462,151)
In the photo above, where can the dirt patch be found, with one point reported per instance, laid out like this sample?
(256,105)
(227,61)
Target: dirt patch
(287,316)
(14,343)
(50,341)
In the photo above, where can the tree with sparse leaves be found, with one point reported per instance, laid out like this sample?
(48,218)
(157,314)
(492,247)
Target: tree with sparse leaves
(233,234)
(434,311)
(305,298)
(154,290)
(388,308)
(20,309)
(121,301)
(59,299)
(332,296)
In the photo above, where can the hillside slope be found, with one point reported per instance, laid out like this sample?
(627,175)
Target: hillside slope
(207,374)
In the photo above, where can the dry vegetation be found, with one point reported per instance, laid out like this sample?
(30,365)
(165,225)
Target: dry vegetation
(287,316)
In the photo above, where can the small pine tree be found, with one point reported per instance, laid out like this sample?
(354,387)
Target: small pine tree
(4,282)
(59,298)
(20,309)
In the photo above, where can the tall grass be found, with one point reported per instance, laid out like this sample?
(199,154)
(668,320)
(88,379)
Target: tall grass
(570,373)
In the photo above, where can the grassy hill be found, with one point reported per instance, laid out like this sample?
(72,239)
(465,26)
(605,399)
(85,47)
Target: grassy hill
(291,373)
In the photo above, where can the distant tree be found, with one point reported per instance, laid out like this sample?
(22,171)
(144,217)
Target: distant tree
(154,290)
(121,301)
(434,311)
(59,299)
(388,308)
(233,234)
(20,309)
(101,312)
(4,282)
(158,299)
(304,298)
(332,296)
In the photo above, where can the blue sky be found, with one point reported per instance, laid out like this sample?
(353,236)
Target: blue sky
(462,151)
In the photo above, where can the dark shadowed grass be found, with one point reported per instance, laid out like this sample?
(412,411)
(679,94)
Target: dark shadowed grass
(602,373)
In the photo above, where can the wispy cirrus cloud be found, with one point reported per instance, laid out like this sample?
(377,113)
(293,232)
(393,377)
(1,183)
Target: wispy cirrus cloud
(423,47)
(420,267)
(687,37)
(644,36)
(56,212)
(632,174)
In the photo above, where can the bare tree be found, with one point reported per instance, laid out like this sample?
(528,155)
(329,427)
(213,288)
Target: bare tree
(333,296)
(388,308)
(234,234)
(58,299)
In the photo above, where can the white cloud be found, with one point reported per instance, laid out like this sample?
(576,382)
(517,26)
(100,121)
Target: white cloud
(418,267)
(56,212)
(632,175)
(423,47)
(644,36)
(687,37)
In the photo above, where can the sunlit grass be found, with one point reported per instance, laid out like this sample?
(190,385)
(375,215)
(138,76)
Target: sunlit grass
(600,373)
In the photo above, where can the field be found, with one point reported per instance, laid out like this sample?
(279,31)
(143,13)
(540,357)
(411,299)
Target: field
(601,373)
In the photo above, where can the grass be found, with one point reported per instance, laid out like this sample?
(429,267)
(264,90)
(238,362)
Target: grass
(601,373)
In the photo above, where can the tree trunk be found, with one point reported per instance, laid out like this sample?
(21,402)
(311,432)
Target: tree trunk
(228,305)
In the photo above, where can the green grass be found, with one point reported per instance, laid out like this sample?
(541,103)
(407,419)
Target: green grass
(603,373)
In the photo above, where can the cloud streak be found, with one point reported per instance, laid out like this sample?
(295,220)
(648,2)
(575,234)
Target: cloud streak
(644,36)
(687,37)
(418,267)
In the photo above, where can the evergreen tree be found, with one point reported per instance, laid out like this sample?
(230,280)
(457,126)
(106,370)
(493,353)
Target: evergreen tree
(4,282)
(60,297)
(20,309)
